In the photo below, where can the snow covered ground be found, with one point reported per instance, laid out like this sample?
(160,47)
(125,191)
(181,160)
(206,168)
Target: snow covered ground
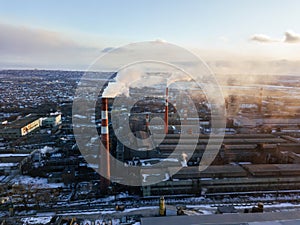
(35,182)
(8,164)
(13,155)
(36,220)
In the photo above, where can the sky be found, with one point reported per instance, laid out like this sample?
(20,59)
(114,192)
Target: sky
(232,36)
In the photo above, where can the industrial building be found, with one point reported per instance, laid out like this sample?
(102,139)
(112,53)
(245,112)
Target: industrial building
(53,120)
(280,218)
(10,164)
(246,163)
(24,126)
(20,127)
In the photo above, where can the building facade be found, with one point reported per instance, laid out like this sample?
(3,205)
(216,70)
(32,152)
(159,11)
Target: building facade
(20,127)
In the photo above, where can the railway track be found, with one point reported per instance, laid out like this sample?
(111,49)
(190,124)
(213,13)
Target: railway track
(103,206)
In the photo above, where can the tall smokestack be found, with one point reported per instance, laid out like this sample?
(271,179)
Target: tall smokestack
(105,156)
(147,123)
(167,111)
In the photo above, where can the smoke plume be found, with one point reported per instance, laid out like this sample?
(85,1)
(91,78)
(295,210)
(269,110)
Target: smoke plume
(131,77)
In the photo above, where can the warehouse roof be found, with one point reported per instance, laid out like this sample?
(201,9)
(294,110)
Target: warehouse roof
(21,122)
(278,218)
(273,169)
(211,171)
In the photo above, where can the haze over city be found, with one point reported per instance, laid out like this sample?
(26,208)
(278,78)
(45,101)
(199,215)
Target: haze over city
(231,36)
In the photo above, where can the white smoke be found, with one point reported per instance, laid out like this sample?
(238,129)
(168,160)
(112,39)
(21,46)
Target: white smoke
(137,77)
(178,76)
(148,81)
(123,80)
(132,77)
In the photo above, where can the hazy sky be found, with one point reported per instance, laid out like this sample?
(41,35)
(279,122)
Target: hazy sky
(226,33)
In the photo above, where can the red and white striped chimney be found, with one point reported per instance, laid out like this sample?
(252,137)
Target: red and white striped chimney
(167,111)
(104,153)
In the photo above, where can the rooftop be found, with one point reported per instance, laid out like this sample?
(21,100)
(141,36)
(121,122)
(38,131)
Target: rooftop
(20,122)
(275,218)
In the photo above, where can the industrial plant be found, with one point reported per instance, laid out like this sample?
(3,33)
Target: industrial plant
(148,156)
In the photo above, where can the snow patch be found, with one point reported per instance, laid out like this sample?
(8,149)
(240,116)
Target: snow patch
(36,220)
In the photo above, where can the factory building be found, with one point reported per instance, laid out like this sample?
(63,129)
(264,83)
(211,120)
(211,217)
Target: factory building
(20,127)
(10,164)
(284,218)
(53,120)
(249,161)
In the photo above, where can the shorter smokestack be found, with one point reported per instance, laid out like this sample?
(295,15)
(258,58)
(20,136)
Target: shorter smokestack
(167,111)
(184,125)
(260,100)
(104,153)
(185,117)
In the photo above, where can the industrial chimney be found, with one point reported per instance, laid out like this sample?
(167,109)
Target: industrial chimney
(147,122)
(260,101)
(167,111)
(104,153)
